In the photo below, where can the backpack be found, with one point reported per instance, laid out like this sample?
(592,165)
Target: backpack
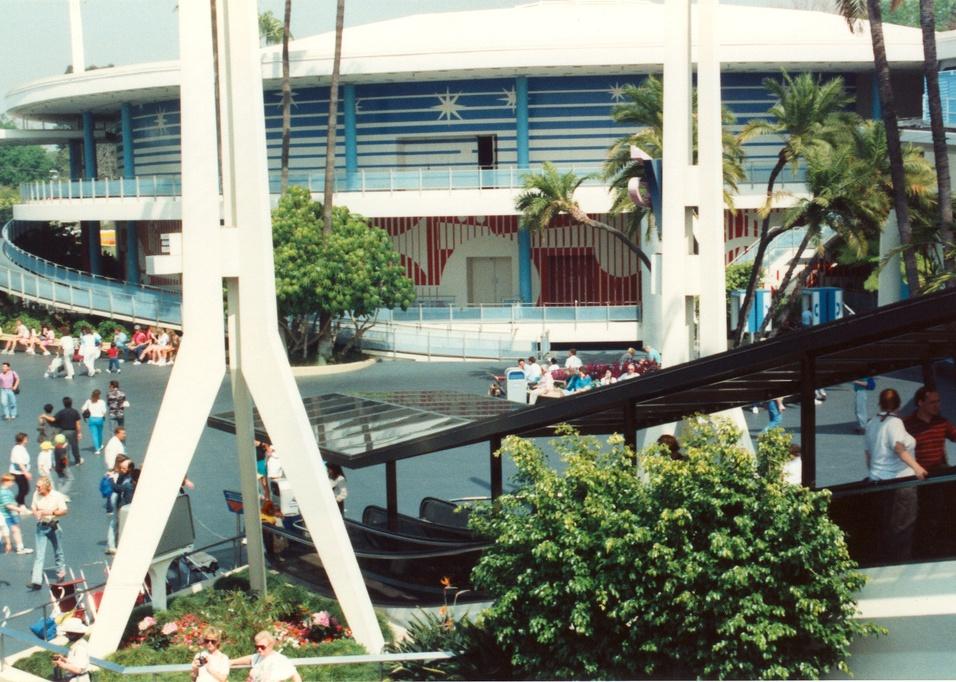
(106,486)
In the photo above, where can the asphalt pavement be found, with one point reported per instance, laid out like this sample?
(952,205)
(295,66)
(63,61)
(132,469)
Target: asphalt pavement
(460,472)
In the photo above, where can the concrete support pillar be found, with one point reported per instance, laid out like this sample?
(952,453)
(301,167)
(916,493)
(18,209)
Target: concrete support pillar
(876,105)
(90,234)
(351,141)
(75,148)
(126,129)
(77,58)
(673,328)
(89,146)
(133,274)
(891,276)
(524,265)
(521,121)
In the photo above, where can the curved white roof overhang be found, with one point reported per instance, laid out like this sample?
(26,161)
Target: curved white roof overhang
(551,37)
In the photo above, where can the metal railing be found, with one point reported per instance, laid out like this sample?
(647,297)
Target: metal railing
(154,670)
(362,180)
(513,313)
(32,278)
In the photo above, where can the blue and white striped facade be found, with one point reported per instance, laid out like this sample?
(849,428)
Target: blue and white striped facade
(439,116)
(436,124)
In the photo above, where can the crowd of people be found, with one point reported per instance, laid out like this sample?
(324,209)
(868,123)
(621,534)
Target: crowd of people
(552,380)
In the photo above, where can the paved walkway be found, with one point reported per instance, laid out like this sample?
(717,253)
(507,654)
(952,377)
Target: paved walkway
(460,472)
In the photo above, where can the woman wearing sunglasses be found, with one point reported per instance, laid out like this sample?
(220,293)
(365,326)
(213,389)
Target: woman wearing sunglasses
(211,664)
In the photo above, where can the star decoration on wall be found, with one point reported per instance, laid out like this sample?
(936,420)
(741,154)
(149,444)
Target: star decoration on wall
(358,104)
(510,99)
(448,105)
(617,91)
(162,125)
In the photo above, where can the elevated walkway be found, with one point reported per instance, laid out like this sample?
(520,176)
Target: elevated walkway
(34,279)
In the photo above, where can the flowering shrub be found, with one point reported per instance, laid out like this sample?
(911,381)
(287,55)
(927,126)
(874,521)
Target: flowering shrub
(324,627)
(596,370)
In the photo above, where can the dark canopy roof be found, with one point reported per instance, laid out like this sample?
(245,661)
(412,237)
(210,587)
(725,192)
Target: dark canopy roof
(382,428)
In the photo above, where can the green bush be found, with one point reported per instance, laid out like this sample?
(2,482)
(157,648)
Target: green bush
(710,567)
(107,330)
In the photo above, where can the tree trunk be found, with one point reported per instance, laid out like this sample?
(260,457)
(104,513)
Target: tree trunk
(286,99)
(585,219)
(329,186)
(940,152)
(894,147)
(758,257)
(782,291)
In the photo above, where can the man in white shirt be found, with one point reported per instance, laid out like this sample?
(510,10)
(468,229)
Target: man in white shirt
(114,447)
(68,345)
(48,507)
(573,362)
(532,371)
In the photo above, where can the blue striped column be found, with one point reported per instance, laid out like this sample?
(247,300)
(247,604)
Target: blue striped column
(522,145)
(521,121)
(129,171)
(76,159)
(351,141)
(89,146)
(90,230)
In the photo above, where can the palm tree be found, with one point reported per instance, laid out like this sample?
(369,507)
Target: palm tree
(852,11)
(270,29)
(940,148)
(644,108)
(329,187)
(549,193)
(850,192)
(805,113)
(286,99)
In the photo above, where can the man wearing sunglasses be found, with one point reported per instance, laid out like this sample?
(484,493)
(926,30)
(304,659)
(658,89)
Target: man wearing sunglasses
(210,664)
(268,665)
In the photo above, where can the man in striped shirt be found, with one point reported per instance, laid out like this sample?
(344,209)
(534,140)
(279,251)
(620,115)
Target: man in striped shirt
(933,537)
(930,430)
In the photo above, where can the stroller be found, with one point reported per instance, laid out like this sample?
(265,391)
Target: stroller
(55,368)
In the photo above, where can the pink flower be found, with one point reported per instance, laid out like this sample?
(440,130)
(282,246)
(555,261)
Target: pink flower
(321,619)
(146,623)
(169,628)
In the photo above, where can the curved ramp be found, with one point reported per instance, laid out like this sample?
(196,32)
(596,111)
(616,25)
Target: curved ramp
(34,279)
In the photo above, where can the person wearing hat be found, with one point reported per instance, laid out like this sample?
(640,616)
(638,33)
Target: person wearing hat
(61,457)
(76,663)
(45,459)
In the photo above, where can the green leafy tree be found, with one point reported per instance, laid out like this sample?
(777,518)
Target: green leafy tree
(351,271)
(8,197)
(706,567)
(806,112)
(736,276)
(24,163)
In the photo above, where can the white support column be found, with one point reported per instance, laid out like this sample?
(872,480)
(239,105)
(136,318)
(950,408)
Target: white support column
(77,57)
(264,364)
(200,365)
(891,280)
(713,294)
(674,338)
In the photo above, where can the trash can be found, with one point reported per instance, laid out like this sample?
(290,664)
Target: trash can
(516,385)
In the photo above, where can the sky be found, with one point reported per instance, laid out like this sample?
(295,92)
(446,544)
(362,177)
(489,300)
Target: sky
(35,40)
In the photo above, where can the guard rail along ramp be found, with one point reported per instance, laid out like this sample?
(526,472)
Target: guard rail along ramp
(37,280)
